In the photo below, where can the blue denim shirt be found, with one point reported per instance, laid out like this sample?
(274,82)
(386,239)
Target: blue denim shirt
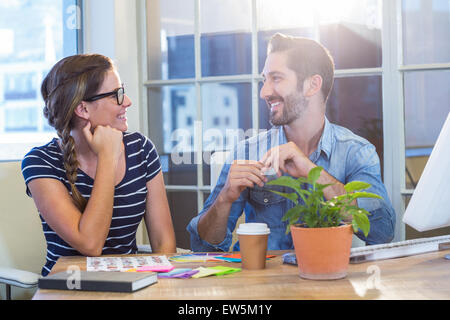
(341,153)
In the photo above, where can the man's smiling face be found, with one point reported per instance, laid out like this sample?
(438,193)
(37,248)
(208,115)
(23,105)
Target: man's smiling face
(281,91)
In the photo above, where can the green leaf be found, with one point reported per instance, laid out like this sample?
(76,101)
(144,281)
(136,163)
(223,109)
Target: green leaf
(331,210)
(311,221)
(341,198)
(355,226)
(364,195)
(285,181)
(362,222)
(302,180)
(291,196)
(323,186)
(293,213)
(314,174)
(288,229)
(356,185)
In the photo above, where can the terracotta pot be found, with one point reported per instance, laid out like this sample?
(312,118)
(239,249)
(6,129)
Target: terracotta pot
(322,253)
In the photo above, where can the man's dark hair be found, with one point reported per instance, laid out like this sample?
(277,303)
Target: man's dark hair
(307,58)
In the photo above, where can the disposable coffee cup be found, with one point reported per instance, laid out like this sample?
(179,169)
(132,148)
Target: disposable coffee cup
(253,243)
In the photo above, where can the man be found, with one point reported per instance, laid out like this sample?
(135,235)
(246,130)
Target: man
(298,77)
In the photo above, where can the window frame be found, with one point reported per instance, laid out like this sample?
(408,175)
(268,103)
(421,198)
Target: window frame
(79,36)
(391,72)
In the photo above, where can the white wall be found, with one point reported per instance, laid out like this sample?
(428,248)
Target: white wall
(22,243)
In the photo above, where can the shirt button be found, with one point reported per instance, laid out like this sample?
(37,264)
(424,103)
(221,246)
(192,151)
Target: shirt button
(266,200)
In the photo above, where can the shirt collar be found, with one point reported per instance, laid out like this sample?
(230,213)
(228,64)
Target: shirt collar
(325,141)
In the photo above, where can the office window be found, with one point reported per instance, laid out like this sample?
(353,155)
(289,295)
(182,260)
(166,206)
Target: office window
(35,35)
(172,127)
(19,86)
(217,134)
(170,30)
(225,37)
(425,64)
(426,30)
(211,54)
(218,48)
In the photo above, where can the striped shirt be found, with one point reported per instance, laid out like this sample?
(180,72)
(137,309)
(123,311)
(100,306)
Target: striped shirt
(142,164)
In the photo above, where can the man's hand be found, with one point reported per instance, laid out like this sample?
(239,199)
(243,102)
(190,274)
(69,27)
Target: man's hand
(288,158)
(243,174)
(212,226)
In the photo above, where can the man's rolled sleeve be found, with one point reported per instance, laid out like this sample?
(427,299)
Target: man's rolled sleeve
(382,215)
(200,245)
(197,243)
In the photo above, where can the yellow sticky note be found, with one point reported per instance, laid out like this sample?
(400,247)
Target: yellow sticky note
(205,272)
(225,270)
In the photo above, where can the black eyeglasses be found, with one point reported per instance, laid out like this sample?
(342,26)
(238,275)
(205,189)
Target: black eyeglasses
(119,93)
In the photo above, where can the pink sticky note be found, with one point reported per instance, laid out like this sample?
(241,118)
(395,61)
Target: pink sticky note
(155,269)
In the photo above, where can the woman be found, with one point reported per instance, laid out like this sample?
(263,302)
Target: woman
(93,185)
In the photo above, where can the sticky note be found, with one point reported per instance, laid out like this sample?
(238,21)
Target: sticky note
(229,259)
(236,257)
(186,274)
(224,270)
(173,273)
(204,272)
(155,268)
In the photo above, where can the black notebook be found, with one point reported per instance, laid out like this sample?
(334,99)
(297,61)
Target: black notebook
(98,281)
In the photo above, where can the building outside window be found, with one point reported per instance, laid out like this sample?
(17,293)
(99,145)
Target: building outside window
(211,53)
(35,35)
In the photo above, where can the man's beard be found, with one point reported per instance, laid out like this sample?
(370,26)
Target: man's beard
(294,106)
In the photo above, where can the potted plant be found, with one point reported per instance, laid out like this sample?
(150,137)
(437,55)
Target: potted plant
(322,230)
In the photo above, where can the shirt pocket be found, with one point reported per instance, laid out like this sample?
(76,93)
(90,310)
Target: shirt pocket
(263,197)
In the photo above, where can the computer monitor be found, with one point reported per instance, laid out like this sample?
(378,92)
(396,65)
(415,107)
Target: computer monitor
(429,207)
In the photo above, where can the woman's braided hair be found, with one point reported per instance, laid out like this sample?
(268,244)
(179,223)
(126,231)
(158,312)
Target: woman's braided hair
(69,82)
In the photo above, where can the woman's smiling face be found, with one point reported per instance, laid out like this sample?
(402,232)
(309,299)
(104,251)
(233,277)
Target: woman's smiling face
(106,111)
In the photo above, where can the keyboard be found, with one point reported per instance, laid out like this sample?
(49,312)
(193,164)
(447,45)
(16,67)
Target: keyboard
(399,249)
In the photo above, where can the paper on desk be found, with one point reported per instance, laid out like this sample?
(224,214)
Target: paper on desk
(178,273)
(225,270)
(205,272)
(185,275)
(155,269)
(196,257)
(173,272)
(125,263)
(217,270)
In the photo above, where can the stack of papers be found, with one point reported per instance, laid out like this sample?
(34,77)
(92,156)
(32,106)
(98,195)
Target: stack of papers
(178,273)
(129,264)
(199,272)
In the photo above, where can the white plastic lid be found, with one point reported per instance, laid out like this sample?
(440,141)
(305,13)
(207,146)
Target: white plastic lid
(253,228)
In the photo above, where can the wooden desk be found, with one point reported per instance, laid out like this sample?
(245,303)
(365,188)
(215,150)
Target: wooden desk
(425,276)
